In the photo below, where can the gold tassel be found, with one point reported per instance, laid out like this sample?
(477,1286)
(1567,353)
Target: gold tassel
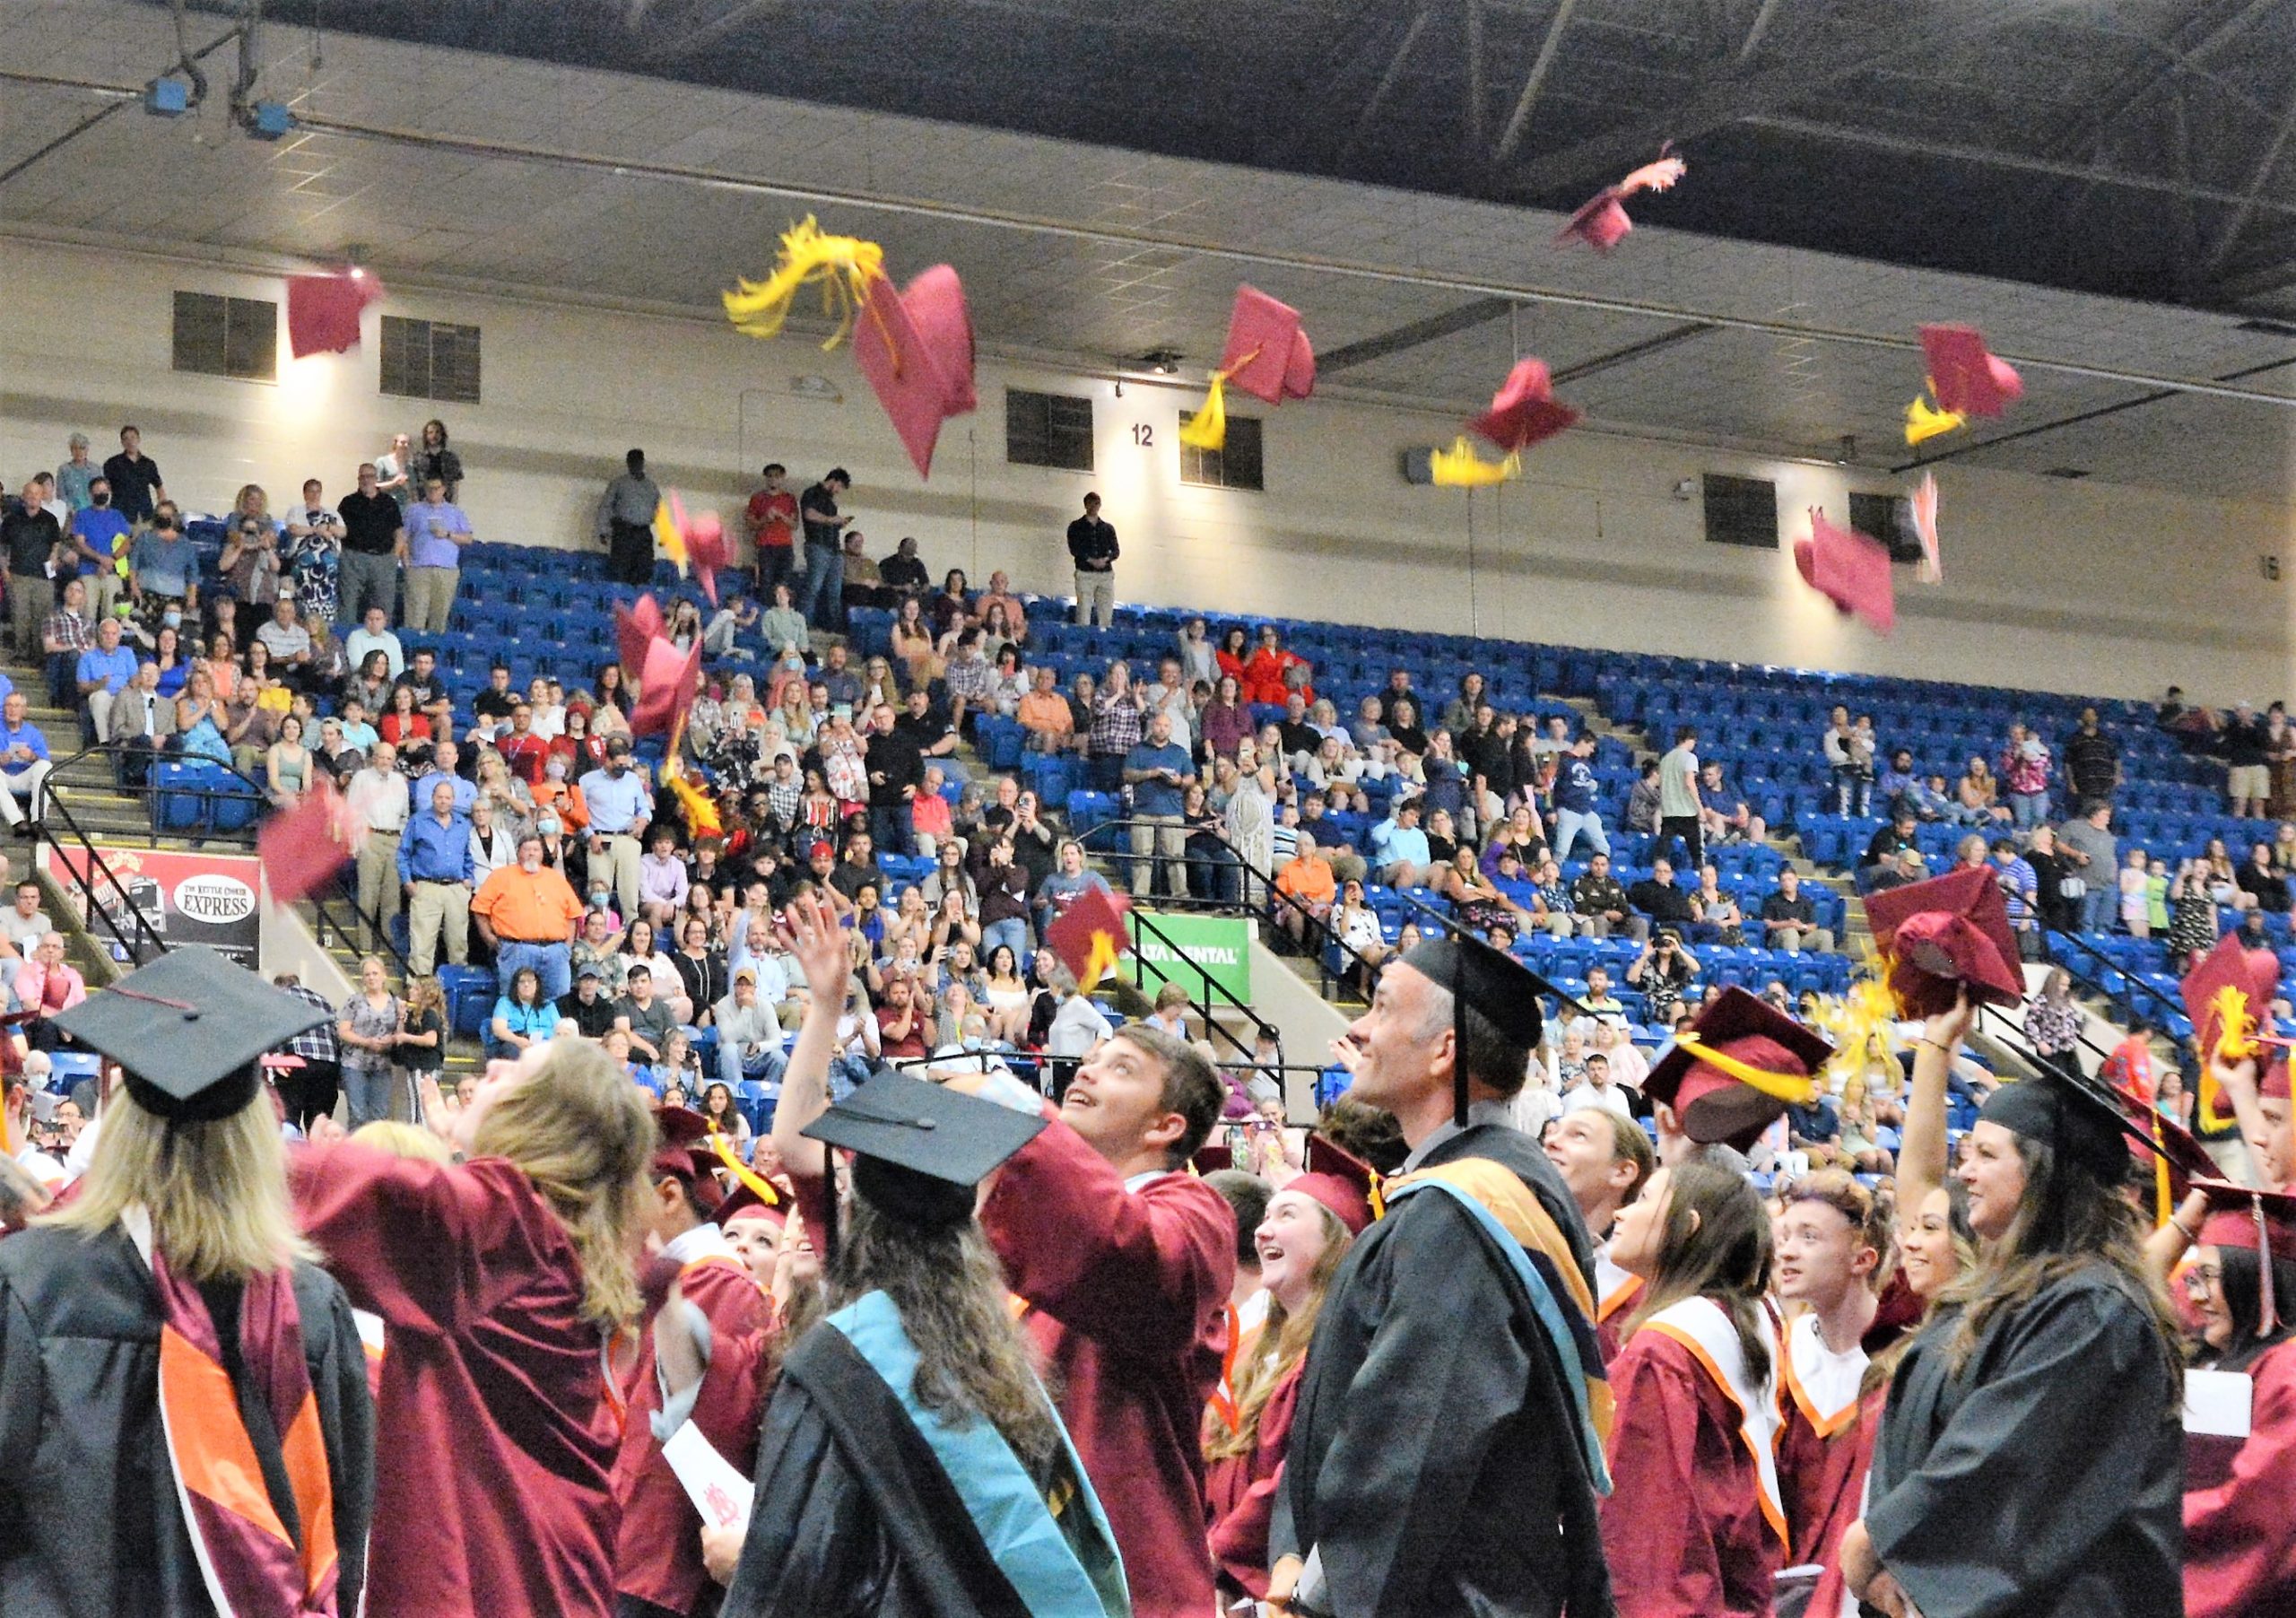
(844,265)
(742,1171)
(1924,421)
(1795,1089)
(2235,1042)
(1459,467)
(1207,429)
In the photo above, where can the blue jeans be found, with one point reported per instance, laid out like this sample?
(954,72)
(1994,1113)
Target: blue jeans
(369,1092)
(2098,903)
(1853,790)
(1570,825)
(548,961)
(892,827)
(821,595)
(766,1067)
(1014,931)
(2028,809)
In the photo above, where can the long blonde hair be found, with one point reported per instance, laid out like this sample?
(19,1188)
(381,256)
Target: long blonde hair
(1282,1344)
(216,1192)
(579,1130)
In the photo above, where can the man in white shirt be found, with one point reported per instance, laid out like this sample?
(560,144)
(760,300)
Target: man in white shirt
(25,922)
(1596,1089)
(749,1035)
(378,795)
(491,846)
(286,640)
(375,635)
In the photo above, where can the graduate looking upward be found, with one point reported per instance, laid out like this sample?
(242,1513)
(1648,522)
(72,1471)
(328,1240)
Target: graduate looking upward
(184,1426)
(1126,1264)
(500,1281)
(1446,1451)
(1605,1159)
(2029,1459)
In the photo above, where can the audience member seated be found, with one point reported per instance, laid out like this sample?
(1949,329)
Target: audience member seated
(1659,900)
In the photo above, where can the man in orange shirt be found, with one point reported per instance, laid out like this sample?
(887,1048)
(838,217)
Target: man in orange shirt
(1000,593)
(1307,881)
(1044,714)
(527,913)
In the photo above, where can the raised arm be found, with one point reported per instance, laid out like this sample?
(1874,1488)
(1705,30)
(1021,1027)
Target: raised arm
(1921,1152)
(811,933)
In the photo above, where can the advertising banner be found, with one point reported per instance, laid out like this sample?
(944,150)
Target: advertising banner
(208,898)
(1220,945)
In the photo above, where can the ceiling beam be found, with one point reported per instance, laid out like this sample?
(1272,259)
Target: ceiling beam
(1386,86)
(675,47)
(2178,55)
(1474,155)
(1519,119)
(1773,88)
(2259,178)
(1759,27)
(1449,322)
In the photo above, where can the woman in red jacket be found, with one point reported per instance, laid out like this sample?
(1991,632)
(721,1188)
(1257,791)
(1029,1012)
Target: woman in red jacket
(1694,1527)
(1310,1225)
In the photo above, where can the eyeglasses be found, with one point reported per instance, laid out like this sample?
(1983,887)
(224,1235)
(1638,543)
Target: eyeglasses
(2202,1277)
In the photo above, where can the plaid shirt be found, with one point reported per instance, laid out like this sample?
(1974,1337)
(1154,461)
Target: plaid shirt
(314,1044)
(970,678)
(784,798)
(69,631)
(1116,725)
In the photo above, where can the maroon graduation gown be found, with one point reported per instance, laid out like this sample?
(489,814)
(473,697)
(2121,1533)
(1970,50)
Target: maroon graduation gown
(1240,1491)
(493,1494)
(2241,1532)
(1128,1296)
(658,1548)
(1832,1590)
(1821,1469)
(1683,1527)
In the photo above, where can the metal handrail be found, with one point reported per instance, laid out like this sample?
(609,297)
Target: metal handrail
(92,908)
(1208,985)
(2127,998)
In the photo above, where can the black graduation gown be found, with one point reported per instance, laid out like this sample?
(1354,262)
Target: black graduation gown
(2047,1479)
(1434,1456)
(852,1513)
(89,1523)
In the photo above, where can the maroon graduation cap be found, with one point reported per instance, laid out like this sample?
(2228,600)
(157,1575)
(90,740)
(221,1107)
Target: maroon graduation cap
(1945,934)
(914,347)
(1848,570)
(705,547)
(1340,1180)
(1268,355)
(1524,411)
(1602,222)
(1968,378)
(323,311)
(666,688)
(1089,937)
(301,848)
(636,627)
(1767,1062)
(2255,973)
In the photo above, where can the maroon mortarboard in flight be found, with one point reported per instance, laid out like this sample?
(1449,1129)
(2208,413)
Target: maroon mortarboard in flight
(1089,937)
(1524,411)
(1268,355)
(1209,1159)
(323,311)
(914,347)
(1715,1102)
(1944,935)
(2254,973)
(1848,570)
(1966,379)
(707,549)
(1602,222)
(301,848)
(665,689)
(636,626)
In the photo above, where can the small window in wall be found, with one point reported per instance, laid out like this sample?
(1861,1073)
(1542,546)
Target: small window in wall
(1235,466)
(1740,511)
(1888,517)
(1047,430)
(430,360)
(219,337)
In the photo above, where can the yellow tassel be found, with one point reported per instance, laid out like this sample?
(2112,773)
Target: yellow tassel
(667,535)
(1795,1089)
(844,265)
(701,813)
(1100,964)
(1459,467)
(742,1171)
(1207,429)
(1862,1026)
(2235,1042)
(1924,421)
(2163,1201)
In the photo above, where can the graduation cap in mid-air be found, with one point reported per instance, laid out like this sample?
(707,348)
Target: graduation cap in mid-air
(1848,570)
(189,1032)
(323,311)
(301,848)
(665,689)
(1268,355)
(1736,1069)
(914,345)
(1921,506)
(1945,935)
(920,1149)
(1601,223)
(1524,411)
(1967,379)
(1496,985)
(1089,937)
(636,625)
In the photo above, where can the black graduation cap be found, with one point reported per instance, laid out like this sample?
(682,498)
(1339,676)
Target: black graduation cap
(1499,986)
(920,1149)
(2079,1117)
(189,1031)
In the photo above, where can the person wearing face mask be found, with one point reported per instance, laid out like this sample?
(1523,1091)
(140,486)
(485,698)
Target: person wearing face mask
(99,539)
(621,806)
(163,568)
(526,914)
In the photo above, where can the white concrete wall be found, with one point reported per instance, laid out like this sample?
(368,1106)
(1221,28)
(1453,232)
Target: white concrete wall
(2074,587)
